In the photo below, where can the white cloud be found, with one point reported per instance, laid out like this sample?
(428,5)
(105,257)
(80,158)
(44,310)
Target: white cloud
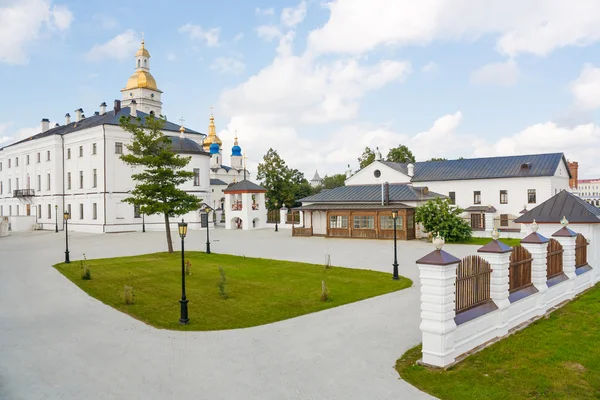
(268,32)
(430,67)
(195,32)
(106,21)
(238,37)
(23,22)
(171,56)
(6,137)
(231,65)
(535,26)
(264,11)
(120,47)
(586,88)
(502,73)
(292,16)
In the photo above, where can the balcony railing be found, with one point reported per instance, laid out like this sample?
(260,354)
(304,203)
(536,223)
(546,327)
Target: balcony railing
(236,206)
(24,193)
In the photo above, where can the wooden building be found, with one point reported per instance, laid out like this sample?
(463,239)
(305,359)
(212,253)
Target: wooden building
(362,211)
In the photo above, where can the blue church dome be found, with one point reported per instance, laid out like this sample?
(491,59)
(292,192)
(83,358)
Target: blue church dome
(214,148)
(236,151)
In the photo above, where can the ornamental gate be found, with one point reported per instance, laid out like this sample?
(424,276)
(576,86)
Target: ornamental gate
(473,277)
(554,259)
(519,275)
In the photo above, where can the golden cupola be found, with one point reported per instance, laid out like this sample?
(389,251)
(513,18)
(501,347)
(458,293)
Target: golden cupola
(142,78)
(212,135)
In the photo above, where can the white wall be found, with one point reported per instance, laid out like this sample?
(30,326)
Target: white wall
(366,176)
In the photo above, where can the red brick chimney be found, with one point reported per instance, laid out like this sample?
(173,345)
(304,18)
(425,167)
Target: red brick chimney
(573,167)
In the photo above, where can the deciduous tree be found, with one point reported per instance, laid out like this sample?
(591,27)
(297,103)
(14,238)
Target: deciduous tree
(367,157)
(157,185)
(438,216)
(400,154)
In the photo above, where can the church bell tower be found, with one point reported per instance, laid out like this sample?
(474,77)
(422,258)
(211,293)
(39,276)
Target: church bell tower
(141,86)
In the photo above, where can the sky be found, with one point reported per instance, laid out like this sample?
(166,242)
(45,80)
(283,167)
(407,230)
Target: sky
(318,81)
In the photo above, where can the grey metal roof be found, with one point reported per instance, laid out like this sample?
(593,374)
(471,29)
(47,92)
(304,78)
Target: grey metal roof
(562,204)
(186,146)
(109,118)
(483,168)
(354,206)
(244,185)
(218,182)
(370,194)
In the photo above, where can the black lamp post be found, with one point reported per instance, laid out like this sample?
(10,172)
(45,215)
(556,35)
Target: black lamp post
(56,218)
(395,264)
(207,209)
(66,217)
(276,218)
(143,223)
(183,319)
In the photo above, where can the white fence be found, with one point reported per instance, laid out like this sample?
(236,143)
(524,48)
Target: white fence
(448,336)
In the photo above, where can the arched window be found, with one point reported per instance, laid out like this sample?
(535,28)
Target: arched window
(138,63)
(151,112)
(144,62)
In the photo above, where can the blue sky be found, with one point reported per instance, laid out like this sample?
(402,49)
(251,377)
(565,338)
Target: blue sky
(319,81)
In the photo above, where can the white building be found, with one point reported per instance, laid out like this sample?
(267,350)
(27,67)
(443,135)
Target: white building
(588,190)
(76,166)
(316,180)
(493,191)
(245,206)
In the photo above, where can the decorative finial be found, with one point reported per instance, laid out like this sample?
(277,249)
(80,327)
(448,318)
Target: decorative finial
(438,242)
(564,221)
(534,226)
(495,234)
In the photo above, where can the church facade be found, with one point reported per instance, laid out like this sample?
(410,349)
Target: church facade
(76,166)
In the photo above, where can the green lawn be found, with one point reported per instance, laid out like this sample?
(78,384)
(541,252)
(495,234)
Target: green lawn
(260,290)
(483,241)
(554,358)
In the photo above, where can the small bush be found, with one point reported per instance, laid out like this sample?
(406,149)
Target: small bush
(188,267)
(327,261)
(86,273)
(324,292)
(223,284)
(128,295)
(438,215)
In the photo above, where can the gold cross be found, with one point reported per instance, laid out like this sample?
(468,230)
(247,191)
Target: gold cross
(142,35)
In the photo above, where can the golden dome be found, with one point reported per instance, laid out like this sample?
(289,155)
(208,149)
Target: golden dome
(212,135)
(141,79)
(142,51)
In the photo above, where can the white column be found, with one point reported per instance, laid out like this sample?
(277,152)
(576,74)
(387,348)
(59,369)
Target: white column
(489,221)
(499,262)
(437,273)
(568,245)
(283,215)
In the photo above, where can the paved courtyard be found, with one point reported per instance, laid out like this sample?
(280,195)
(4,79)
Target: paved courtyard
(56,342)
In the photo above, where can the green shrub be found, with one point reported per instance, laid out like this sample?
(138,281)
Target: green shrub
(324,292)
(327,261)
(128,295)
(223,284)
(86,273)
(438,216)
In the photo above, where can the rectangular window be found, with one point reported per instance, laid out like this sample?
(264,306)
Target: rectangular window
(9,187)
(94,148)
(503,219)
(38,157)
(80,151)
(94,211)
(9,161)
(1,210)
(9,210)
(27,159)
(39,183)
(80,179)
(504,197)
(68,154)
(48,182)
(95,178)
(69,210)
(80,211)
(16,161)
(0,166)
(477,197)
(136,211)
(531,196)
(17,211)
(118,148)
(49,211)
(17,183)
(477,221)
(196,177)
(68,180)
(387,222)
(1,188)
(338,221)
(364,222)
(48,155)
(39,211)
(452,196)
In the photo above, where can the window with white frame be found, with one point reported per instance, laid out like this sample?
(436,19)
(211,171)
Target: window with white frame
(94,177)
(48,182)
(504,197)
(68,154)
(39,183)
(38,157)
(94,210)
(338,221)
(364,222)
(387,222)
(80,179)
(68,181)
(48,155)
(531,196)
(80,210)
(477,197)
(118,148)
(94,148)
(80,151)
(196,176)
(49,211)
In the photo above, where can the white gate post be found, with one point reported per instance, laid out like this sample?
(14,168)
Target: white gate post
(537,245)
(498,255)
(437,273)
(283,216)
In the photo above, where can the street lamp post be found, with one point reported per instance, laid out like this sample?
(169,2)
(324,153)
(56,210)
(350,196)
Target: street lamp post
(207,235)
(66,217)
(277,217)
(56,218)
(395,217)
(183,319)
(143,223)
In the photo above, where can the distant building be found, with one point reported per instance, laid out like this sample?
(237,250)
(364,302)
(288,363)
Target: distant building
(316,180)
(588,190)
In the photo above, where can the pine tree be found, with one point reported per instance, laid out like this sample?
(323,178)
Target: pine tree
(156,190)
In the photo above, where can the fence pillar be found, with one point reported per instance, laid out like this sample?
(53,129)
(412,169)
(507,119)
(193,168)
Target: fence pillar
(498,255)
(437,273)
(283,215)
(567,238)
(537,245)
(489,221)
